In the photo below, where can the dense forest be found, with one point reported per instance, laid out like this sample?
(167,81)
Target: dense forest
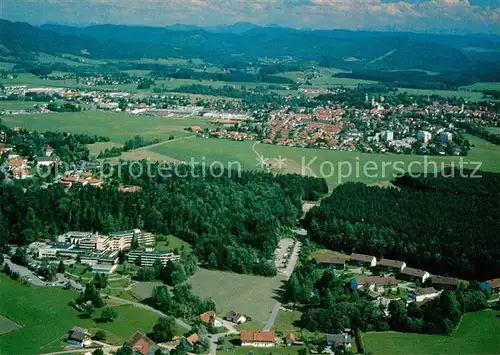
(426,222)
(234,223)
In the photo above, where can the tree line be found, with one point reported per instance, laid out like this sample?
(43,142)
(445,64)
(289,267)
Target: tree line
(424,223)
(330,305)
(234,223)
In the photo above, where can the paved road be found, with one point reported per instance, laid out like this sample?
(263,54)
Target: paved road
(289,270)
(179,322)
(25,272)
(215,337)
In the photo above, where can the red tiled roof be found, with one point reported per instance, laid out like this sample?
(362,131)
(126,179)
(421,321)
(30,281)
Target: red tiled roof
(193,339)
(207,317)
(259,336)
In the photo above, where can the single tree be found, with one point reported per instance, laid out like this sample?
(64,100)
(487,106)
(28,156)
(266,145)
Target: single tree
(61,267)
(108,315)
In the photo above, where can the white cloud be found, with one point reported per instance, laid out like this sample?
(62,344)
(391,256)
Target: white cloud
(350,14)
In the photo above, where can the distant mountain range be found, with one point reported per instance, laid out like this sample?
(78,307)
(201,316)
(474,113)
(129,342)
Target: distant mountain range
(248,42)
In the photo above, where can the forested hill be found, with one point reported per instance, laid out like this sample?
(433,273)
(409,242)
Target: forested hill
(343,49)
(234,223)
(447,226)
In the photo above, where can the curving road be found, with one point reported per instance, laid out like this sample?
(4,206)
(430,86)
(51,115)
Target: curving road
(179,322)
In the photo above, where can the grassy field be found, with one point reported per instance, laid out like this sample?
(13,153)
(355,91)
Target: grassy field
(142,290)
(33,306)
(477,334)
(16,105)
(347,166)
(172,243)
(323,78)
(483,86)
(251,295)
(117,126)
(335,166)
(326,252)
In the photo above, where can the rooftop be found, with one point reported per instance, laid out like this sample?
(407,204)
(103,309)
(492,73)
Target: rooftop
(362,257)
(325,259)
(413,272)
(443,280)
(258,336)
(391,263)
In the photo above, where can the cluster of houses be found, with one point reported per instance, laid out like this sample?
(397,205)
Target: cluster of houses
(101,251)
(436,283)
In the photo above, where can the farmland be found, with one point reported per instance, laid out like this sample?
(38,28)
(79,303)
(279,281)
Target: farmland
(323,78)
(117,126)
(335,166)
(476,335)
(21,303)
(251,295)
(321,162)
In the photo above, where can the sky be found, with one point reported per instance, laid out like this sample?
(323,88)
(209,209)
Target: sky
(400,15)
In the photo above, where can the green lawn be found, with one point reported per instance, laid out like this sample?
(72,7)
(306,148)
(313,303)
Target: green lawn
(477,334)
(16,105)
(45,317)
(117,126)
(253,296)
(172,243)
(143,290)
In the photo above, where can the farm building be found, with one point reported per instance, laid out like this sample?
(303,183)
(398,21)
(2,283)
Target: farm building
(412,274)
(391,265)
(363,260)
(258,339)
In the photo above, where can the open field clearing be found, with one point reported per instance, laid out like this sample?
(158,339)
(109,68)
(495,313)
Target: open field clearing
(483,86)
(476,334)
(328,253)
(251,295)
(17,105)
(172,243)
(323,78)
(98,147)
(335,166)
(117,126)
(33,306)
(142,290)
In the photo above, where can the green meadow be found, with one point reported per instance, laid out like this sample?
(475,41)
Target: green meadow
(476,334)
(45,317)
(117,126)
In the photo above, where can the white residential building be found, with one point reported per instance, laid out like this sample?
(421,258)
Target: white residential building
(149,257)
